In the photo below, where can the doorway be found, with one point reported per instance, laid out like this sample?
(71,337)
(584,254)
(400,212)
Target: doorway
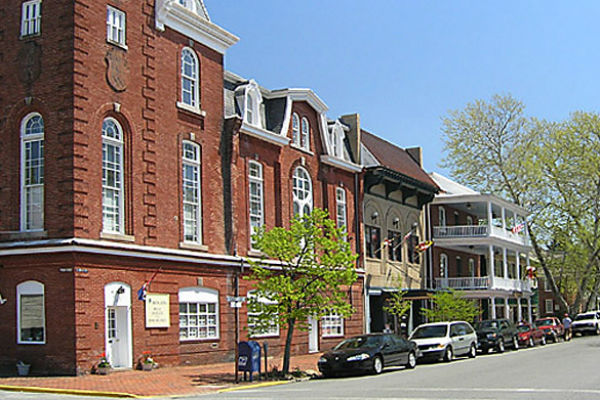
(117,303)
(313,335)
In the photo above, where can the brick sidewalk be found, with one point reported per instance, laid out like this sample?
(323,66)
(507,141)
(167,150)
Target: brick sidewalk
(159,382)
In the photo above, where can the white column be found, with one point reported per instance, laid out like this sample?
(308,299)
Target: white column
(493,306)
(506,308)
(519,311)
(518,266)
(489,217)
(503,215)
(491,265)
(529,310)
(515,220)
(504,263)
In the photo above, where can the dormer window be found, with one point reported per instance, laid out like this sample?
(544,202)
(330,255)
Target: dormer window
(253,100)
(336,140)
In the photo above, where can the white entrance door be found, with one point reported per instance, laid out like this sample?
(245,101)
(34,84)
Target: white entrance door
(117,337)
(313,335)
(117,302)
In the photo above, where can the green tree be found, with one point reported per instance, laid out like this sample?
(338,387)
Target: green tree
(314,268)
(396,304)
(450,306)
(551,169)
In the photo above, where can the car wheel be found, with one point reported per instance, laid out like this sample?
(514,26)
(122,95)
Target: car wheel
(543,341)
(500,346)
(377,365)
(473,351)
(554,338)
(531,342)
(448,354)
(412,360)
(515,343)
(597,330)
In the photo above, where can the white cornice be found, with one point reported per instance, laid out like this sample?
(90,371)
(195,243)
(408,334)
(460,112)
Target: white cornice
(264,134)
(339,163)
(170,13)
(300,95)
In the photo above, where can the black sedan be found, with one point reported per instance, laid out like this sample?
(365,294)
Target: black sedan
(368,353)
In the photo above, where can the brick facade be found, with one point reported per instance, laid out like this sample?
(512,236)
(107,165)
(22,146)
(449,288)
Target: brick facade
(75,79)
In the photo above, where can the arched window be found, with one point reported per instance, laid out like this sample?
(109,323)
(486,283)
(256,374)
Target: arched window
(443,265)
(256,197)
(31,318)
(341,208)
(190,81)
(113,217)
(442,216)
(192,193)
(305,137)
(302,192)
(295,129)
(198,314)
(32,172)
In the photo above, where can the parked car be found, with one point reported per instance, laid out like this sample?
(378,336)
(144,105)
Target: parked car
(496,334)
(368,353)
(445,340)
(552,327)
(529,335)
(586,322)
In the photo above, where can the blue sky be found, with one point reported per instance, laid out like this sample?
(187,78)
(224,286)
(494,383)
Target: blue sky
(404,64)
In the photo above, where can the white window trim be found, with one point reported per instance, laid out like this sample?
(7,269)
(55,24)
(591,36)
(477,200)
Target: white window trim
(442,216)
(251,294)
(253,100)
(469,220)
(200,295)
(198,165)
(196,82)
(339,322)
(24,31)
(444,262)
(296,130)
(305,136)
(259,181)
(340,201)
(30,288)
(24,139)
(549,302)
(121,205)
(309,198)
(109,38)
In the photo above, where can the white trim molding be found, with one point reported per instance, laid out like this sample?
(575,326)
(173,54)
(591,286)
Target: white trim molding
(339,163)
(263,134)
(169,13)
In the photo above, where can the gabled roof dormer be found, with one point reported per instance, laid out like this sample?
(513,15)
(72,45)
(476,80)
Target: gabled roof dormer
(337,153)
(249,102)
(190,18)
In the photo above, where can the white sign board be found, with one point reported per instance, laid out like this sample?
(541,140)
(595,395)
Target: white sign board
(157,310)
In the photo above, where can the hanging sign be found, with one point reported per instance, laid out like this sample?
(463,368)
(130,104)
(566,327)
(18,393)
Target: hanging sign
(157,310)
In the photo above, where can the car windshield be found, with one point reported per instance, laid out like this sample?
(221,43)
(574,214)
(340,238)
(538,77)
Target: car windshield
(359,342)
(543,322)
(487,325)
(579,317)
(431,331)
(523,328)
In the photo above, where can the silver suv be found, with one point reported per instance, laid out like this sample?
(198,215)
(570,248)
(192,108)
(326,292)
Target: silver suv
(586,322)
(445,340)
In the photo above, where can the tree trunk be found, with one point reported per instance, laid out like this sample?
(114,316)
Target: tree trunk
(288,345)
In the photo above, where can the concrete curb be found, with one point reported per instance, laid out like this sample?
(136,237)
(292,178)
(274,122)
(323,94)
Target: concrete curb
(256,385)
(69,391)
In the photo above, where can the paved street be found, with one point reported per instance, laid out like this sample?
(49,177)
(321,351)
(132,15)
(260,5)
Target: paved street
(557,371)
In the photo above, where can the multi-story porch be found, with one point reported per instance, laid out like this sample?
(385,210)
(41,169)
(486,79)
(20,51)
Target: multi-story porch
(481,228)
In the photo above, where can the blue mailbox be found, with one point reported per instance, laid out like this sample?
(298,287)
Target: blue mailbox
(249,358)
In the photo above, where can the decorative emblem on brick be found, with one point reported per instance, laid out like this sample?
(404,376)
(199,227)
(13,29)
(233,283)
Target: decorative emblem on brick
(117,70)
(30,62)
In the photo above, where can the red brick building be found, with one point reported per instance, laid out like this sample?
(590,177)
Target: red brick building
(121,169)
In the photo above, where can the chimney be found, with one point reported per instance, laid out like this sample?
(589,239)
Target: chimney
(416,154)
(353,121)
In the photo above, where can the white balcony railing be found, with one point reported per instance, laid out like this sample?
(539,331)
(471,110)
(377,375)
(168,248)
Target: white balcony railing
(479,283)
(463,283)
(472,231)
(460,231)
